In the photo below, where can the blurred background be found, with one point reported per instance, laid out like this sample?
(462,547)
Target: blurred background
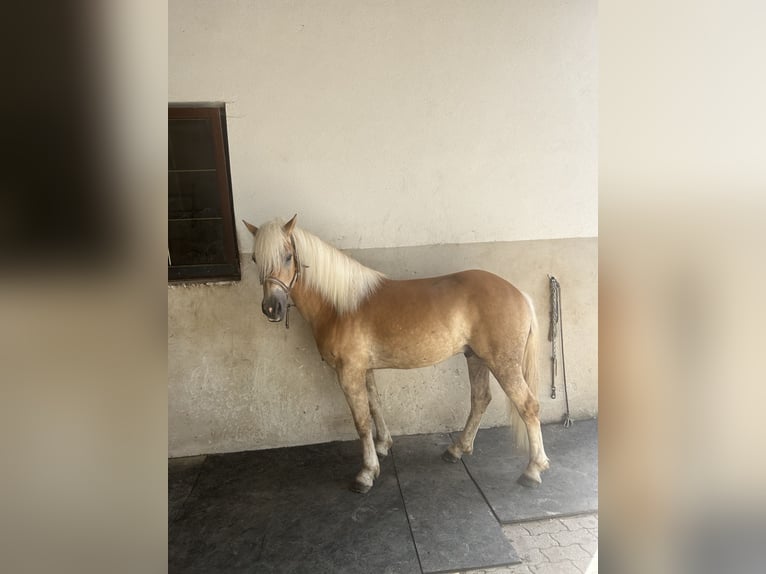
(82,287)
(681,313)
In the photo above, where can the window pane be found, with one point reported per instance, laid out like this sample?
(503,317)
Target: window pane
(193,194)
(190,144)
(196,242)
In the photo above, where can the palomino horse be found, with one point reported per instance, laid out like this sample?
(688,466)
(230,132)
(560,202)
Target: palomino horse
(362,321)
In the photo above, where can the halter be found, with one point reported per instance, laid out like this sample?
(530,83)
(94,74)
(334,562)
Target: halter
(288,287)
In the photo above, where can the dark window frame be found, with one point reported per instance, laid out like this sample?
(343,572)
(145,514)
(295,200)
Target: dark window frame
(229,269)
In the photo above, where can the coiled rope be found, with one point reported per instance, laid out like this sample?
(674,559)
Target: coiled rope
(555,331)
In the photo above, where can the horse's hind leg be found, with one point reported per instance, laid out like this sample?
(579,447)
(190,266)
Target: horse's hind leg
(383,440)
(478,373)
(513,383)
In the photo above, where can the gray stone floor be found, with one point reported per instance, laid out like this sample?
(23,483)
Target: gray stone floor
(197,496)
(553,546)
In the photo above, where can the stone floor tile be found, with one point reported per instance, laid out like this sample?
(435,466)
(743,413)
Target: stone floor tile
(564,567)
(523,543)
(568,537)
(551,546)
(531,556)
(577,522)
(512,531)
(573,553)
(591,547)
(544,526)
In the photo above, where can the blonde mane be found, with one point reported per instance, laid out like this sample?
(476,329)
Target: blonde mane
(340,280)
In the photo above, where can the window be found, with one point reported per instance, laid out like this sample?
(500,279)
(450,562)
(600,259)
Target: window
(202,240)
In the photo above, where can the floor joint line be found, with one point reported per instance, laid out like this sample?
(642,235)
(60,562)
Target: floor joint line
(406,514)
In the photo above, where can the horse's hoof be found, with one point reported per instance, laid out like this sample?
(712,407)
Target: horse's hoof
(528,481)
(383,447)
(359,487)
(447,456)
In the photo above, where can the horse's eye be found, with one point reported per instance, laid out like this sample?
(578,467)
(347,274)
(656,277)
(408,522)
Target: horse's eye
(289,258)
(254,261)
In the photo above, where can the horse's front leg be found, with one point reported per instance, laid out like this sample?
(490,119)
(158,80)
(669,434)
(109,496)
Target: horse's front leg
(383,440)
(352,381)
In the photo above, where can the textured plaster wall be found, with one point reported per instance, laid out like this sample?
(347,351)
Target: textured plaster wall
(238,382)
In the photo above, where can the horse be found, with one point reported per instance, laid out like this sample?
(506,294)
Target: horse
(362,320)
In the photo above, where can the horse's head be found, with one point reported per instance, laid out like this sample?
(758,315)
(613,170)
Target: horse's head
(278,268)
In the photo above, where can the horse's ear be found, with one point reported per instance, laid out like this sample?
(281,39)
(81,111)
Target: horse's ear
(290,225)
(252,228)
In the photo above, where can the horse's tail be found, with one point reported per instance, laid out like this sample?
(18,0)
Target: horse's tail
(529,370)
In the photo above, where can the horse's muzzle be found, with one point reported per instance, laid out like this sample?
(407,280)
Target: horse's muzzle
(274,308)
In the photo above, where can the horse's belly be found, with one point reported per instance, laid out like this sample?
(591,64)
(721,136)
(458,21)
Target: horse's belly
(414,354)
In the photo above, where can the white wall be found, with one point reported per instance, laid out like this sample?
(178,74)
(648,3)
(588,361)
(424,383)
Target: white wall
(401,123)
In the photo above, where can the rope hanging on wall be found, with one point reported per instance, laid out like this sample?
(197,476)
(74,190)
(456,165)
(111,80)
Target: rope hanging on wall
(556,330)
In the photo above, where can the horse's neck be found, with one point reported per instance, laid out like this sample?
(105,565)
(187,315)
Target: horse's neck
(312,306)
